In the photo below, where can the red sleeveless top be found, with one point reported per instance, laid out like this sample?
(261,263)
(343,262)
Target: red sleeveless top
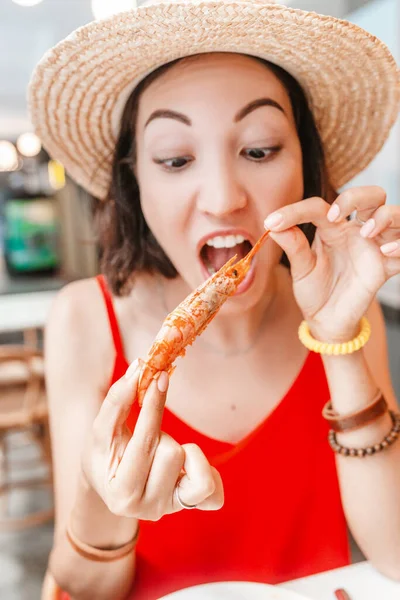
(282,517)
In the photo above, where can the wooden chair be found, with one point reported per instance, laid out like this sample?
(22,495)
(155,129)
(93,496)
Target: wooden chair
(23,408)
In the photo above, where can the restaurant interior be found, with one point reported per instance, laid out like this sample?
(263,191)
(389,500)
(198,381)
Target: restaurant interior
(47,240)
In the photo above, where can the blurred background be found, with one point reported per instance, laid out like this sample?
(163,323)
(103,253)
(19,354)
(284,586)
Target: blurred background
(46,240)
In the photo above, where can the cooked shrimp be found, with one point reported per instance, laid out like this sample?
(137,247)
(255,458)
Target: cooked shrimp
(191,317)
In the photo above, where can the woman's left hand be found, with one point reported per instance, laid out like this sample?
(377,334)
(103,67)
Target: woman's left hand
(336,279)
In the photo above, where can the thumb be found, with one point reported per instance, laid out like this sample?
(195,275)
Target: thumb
(297,248)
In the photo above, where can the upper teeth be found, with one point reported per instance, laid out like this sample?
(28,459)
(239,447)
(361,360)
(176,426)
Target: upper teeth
(227,241)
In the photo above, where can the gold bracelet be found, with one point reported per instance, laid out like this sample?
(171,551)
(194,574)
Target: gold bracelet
(97,554)
(340,348)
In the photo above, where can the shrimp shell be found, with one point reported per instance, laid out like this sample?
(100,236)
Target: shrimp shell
(191,317)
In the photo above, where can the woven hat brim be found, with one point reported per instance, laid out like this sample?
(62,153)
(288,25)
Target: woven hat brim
(77,91)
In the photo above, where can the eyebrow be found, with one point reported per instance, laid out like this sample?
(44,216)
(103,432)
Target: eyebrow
(246,110)
(257,104)
(169,114)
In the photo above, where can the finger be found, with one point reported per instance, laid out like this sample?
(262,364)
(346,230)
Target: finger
(297,248)
(116,406)
(166,468)
(312,210)
(139,453)
(392,249)
(365,200)
(383,218)
(216,500)
(198,483)
(392,265)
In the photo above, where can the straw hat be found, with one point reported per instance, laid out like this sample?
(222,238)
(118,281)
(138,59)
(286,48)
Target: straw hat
(78,90)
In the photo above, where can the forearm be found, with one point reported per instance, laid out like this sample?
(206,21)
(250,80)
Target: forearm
(95,525)
(370,486)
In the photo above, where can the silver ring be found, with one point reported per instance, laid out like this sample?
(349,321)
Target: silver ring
(359,221)
(183,504)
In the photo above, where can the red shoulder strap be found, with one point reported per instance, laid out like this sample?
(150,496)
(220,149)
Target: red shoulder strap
(115,331)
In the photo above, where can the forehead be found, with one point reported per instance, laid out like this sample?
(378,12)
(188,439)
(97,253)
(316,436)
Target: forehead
(227,77)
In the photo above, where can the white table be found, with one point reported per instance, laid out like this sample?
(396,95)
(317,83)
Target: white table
(25,311)
(361,581)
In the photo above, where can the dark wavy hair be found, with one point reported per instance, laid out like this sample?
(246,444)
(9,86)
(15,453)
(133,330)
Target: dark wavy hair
(126,243)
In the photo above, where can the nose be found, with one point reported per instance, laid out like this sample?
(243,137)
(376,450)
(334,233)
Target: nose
(221,192)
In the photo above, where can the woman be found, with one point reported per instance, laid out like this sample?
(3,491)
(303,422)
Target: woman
(193,142)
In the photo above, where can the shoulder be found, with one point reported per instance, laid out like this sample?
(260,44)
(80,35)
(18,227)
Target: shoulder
(73,301)
(78,309)
(77,333)
(377,355)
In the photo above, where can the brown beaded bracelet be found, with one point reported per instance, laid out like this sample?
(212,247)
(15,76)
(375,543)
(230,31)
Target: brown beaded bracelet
(361,452)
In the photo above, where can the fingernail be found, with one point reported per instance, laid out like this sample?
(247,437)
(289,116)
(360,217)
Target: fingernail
(389,248)
(273,221)
(333,213)
(131,370)
(162,382)
(367,228)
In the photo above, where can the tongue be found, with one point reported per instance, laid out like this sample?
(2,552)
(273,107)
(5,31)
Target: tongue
(217,257)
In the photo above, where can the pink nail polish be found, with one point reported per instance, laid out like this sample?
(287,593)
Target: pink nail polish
(333,213)
(273,220)
(368,228)
(162,382)
(390,247)
(131,370)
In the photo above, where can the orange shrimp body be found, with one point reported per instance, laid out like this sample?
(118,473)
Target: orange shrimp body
(191,317)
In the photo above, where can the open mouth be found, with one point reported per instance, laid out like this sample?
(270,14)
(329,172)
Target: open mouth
(218,250)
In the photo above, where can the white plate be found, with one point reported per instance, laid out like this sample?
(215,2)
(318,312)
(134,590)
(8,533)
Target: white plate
(233,590)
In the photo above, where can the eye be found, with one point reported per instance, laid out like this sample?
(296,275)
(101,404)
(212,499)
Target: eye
(177,163)
(260,154)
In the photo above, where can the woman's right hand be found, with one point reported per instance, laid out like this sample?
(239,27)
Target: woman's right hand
(136,475)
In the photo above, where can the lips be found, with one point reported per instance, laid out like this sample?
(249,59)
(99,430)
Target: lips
(248,280)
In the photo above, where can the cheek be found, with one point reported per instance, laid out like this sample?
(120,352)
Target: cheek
(281,183)
(153,196)
(291,173)
(164,199)
(292,184)
(162,212)
(157,209)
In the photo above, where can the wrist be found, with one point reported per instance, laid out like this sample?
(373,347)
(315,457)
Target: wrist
(94,523)
(327,335)
(349,346)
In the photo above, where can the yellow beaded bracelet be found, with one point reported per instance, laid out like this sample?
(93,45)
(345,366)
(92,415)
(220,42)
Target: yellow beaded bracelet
(335,349)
